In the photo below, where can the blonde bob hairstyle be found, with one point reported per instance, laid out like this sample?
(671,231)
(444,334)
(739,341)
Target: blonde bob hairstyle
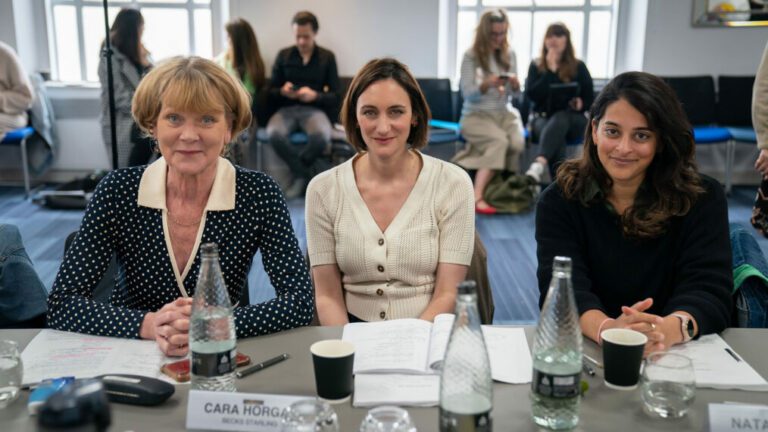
(191,84)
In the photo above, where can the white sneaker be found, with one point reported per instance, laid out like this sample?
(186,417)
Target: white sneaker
(535,171)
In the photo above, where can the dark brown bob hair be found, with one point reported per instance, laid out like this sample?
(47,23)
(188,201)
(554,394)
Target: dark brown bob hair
(671,184)
(377,70)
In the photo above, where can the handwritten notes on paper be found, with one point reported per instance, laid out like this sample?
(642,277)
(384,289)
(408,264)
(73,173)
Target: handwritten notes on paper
(53,354)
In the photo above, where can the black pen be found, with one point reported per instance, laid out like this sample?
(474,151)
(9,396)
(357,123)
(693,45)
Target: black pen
(733,354)
(263,365)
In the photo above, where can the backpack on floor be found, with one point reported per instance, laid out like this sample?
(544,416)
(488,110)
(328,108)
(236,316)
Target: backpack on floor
(510,193)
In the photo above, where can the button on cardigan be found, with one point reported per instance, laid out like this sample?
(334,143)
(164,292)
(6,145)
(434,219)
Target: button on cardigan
(245,212)
(391,274)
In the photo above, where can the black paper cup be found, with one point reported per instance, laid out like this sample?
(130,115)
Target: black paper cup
(333,360)
(622,356)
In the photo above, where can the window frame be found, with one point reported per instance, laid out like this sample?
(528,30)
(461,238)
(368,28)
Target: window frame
(190,6)
(587,8)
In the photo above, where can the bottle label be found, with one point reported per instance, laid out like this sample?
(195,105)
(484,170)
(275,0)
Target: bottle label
(213,364)
(453,422)
(556,386)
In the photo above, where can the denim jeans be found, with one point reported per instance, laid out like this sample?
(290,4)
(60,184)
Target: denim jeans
(751,297)
(22,294)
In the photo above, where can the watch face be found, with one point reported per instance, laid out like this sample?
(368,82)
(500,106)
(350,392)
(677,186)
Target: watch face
(689,328)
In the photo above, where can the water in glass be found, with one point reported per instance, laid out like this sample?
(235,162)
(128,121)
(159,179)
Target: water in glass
(11,370)
(669,385)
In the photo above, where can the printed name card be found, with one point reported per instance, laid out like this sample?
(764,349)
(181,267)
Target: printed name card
(237,411)
(738,417)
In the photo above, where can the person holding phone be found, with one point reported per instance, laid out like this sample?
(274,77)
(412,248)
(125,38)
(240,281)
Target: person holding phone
(647,233)
(304,92)
(153,218)
(554,122)
(493,132)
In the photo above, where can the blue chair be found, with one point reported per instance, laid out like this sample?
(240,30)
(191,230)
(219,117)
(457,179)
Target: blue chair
(734,111)
(19,137)
(697,96)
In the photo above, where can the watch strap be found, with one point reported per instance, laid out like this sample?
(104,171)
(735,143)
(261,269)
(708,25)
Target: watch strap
(685,323)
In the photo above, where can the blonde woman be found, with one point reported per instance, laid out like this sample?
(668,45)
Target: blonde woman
(155,217)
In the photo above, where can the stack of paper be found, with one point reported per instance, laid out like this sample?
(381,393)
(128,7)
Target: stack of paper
(397,362)
(53,354)
(718,366)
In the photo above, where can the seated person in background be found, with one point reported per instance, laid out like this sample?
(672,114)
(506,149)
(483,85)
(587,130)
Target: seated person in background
(16,95)
(488,78)
(554,123)
(304,90)
(390,232)
(155,217)
(648,234)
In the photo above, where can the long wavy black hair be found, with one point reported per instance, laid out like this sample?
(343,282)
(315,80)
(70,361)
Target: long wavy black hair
(671,184)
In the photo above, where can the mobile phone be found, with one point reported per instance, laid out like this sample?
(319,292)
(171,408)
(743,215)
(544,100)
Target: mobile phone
(295,87)
(179,370)
(504,77)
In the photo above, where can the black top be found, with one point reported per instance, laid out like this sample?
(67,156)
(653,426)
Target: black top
(114,223)
(537,86)
(687,269)
(319,74)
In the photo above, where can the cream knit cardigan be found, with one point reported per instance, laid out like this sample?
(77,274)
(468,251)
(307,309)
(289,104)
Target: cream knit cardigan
(391,275)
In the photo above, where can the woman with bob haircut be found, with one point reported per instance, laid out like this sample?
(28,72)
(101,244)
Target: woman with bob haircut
(556,117)
(390,232)
(648,234)
(155,217)
(488,79)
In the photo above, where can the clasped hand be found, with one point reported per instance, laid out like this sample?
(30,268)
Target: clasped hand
(169,327)
(634,317)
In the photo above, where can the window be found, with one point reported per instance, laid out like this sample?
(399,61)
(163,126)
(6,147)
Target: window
(591,22)
(76,32)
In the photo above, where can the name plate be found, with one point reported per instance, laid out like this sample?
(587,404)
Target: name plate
(738,417)
(237,411)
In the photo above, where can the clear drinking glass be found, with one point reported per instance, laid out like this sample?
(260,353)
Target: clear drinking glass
(11,371)
(310,415)
(387,419)
(669,385)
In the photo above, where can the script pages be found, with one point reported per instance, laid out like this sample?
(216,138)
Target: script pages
(398,362)
(408,346)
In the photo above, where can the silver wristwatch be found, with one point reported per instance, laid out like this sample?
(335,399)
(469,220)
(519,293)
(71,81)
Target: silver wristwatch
(686,326)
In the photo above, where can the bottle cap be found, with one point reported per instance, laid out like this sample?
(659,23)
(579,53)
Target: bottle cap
(562,263)
(467,287)
(209,249)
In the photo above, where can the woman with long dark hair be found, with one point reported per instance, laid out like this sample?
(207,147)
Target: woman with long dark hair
(130,61)
(494,134)
(648,234)
(242,59)
(560,89)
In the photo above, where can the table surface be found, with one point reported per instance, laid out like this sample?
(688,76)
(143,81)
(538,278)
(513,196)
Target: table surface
(602,409)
